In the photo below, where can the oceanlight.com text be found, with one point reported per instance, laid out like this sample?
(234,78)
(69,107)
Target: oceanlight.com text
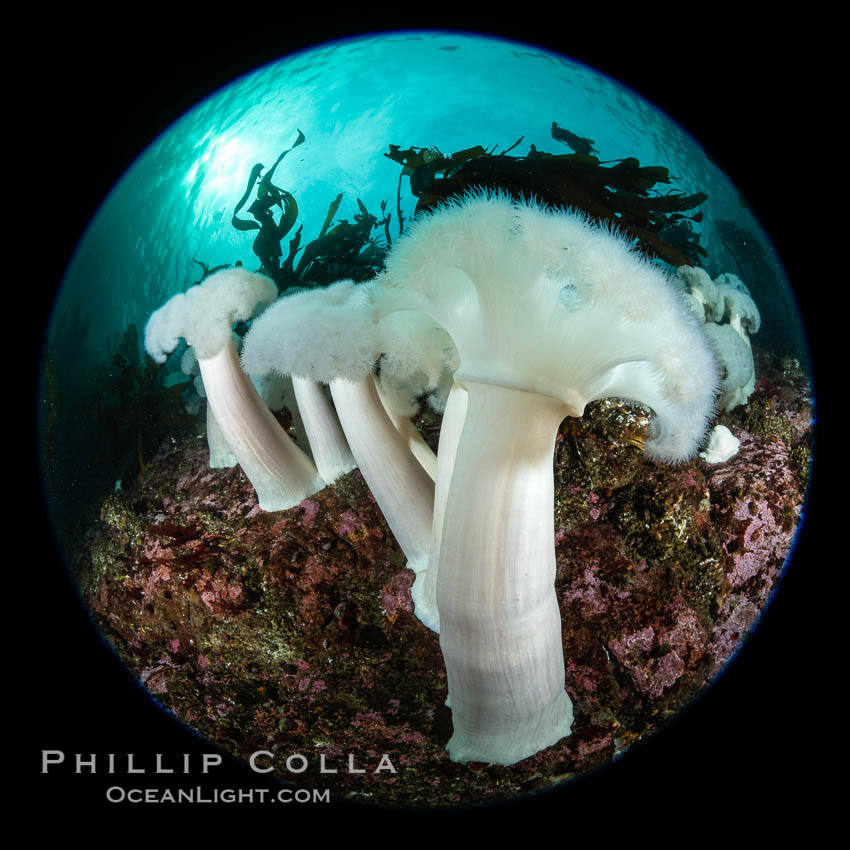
(118,794)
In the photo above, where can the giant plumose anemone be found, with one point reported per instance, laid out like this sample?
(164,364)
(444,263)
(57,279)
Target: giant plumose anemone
(521,315)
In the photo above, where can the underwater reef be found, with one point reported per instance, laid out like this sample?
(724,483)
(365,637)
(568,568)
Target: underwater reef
(273,612)
(135,406)
(293,631)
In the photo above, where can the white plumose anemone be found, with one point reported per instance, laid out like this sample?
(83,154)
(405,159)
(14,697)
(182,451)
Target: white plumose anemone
(726,298)
(327,335)
(282,475)
(548,312)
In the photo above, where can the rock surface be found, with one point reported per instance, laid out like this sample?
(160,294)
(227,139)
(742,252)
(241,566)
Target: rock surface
(294,632)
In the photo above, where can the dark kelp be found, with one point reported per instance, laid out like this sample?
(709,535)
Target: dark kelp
(618,194)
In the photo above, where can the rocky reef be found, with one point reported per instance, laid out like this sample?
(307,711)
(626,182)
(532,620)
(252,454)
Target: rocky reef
(294,632)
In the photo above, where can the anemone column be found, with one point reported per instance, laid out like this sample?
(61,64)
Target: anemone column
(401,487)
(204,316)
(500,627)
(424,590)
(281,473)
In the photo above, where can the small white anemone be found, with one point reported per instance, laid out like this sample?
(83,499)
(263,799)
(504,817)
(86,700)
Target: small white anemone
(327,335)
(743,314)
(705,300)
(296,335)
(730,315)
(280,472)
(720,446)
(736,356)
(418,356)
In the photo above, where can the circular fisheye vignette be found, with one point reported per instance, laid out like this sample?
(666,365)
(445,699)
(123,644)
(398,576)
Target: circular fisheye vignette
(298,617)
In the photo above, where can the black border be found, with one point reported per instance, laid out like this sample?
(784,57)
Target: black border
(97,91)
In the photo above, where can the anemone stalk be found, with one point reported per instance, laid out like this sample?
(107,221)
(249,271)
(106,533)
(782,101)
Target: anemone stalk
(401,487)
(281,473)
(424,591)
(500,627)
